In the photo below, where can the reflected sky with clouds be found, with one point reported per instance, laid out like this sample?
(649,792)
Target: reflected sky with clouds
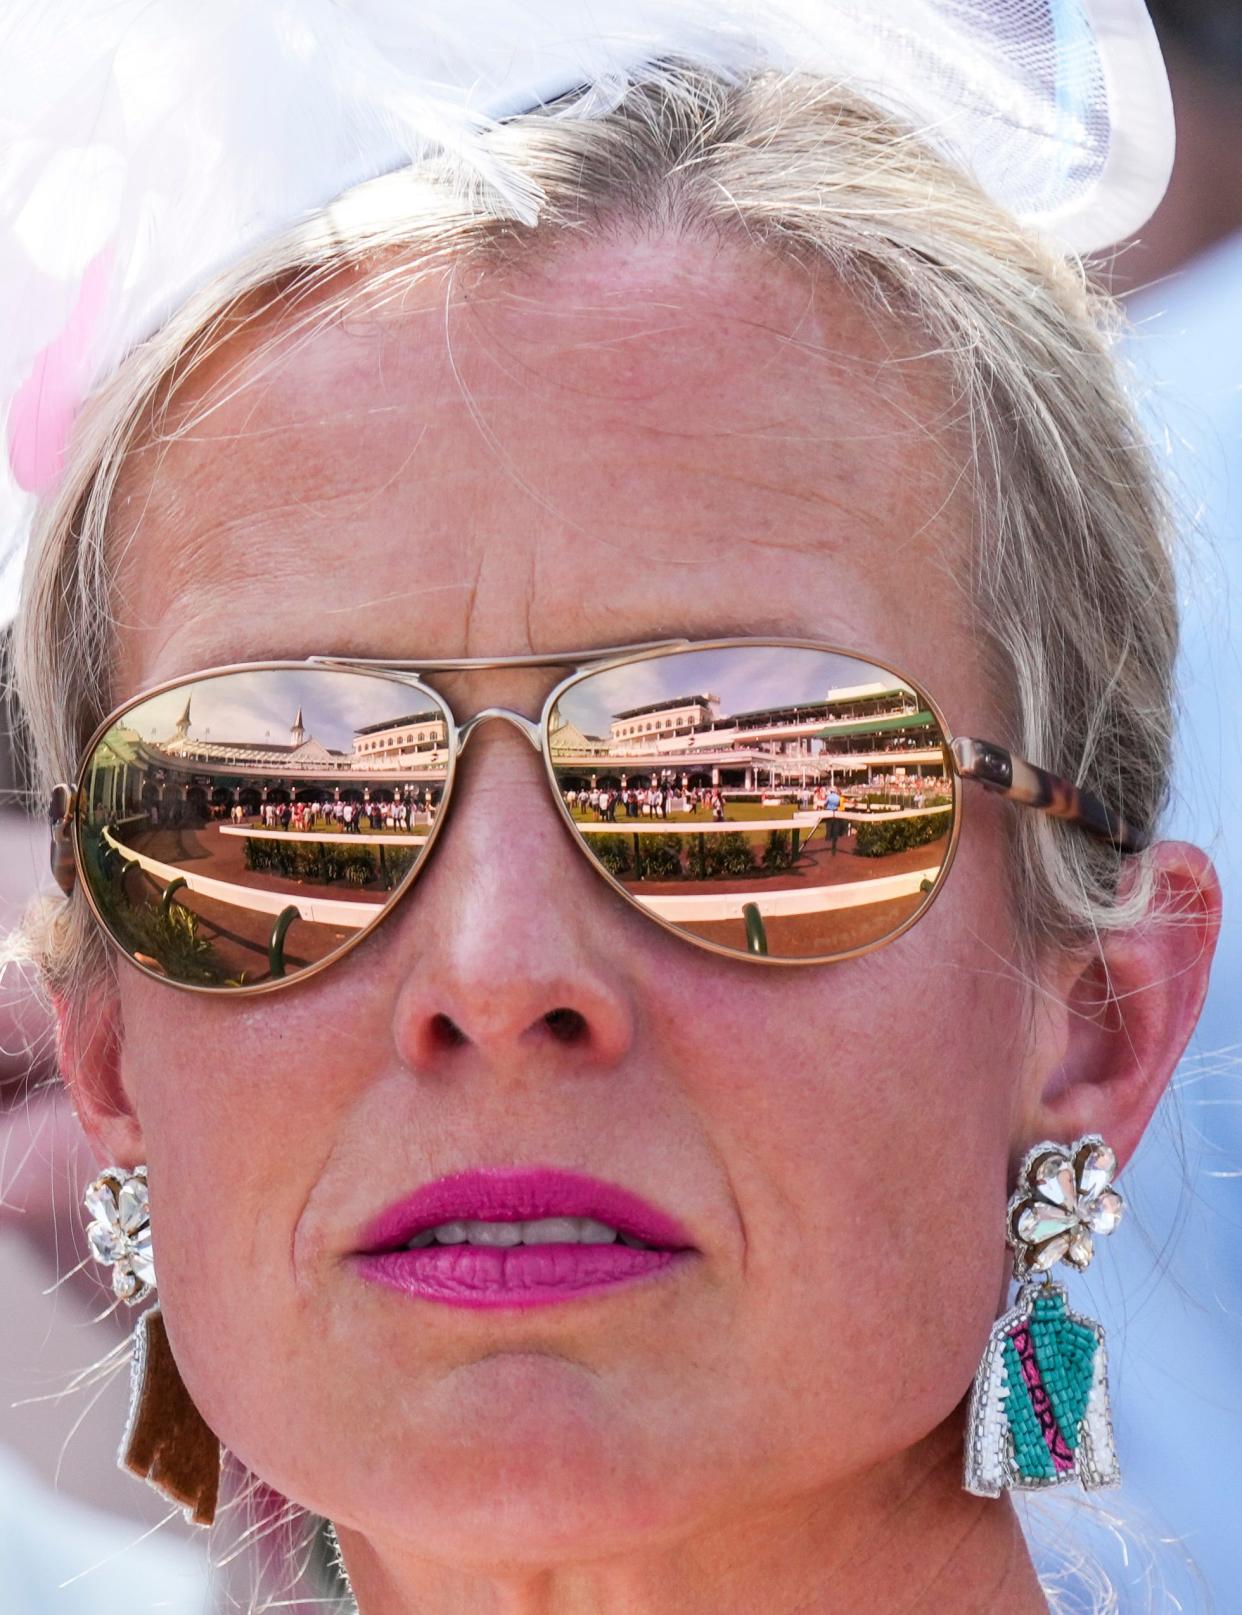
(259,707)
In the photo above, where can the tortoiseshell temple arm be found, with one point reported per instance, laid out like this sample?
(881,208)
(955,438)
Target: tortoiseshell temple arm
(1022,782)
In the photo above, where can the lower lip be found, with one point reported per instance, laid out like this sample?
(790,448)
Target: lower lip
(514,1275)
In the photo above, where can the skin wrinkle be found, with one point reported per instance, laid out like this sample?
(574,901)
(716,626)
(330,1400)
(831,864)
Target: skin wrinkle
(806,1133)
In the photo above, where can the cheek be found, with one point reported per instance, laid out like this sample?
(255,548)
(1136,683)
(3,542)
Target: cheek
(239,1106)
(864,1116)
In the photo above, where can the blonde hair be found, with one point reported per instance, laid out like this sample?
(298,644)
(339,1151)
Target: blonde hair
(1070,580)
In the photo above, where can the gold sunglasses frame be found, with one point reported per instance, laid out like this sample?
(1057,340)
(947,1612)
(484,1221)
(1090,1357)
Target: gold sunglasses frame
(985,762)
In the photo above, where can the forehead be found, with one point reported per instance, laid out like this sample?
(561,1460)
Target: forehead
(623,441)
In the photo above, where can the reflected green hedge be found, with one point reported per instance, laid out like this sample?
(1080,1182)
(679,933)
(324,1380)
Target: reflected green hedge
(728,856)
(321,861)
(898,835)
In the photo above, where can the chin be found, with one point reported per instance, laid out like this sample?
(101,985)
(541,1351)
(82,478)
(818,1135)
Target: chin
(525,1487)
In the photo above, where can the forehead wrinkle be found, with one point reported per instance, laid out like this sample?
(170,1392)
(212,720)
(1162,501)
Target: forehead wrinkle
(569,269)
(499,586)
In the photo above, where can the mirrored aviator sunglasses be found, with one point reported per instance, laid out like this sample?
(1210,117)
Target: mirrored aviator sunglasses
(776,802)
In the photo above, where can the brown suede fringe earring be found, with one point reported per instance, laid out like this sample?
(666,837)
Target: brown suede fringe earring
(167,1442)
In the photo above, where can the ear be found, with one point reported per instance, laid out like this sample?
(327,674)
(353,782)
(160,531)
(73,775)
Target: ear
(1116,1019)
(89,1045)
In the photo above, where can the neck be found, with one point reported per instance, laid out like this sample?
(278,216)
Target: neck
(903,1539)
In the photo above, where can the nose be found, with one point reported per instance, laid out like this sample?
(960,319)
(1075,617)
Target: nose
(511,940)
(523,725)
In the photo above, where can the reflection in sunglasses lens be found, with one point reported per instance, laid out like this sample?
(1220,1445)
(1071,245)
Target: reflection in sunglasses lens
(241,827)
(793,803)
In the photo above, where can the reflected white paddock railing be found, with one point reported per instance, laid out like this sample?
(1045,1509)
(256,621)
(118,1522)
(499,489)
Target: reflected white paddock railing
(773,905)
(349,838)
(319,910)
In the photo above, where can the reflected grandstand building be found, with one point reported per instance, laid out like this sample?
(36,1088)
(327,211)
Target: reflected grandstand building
(854,737)
(188,773)
(401,743)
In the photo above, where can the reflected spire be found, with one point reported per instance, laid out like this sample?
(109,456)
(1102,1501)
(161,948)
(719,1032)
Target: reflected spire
(183,722)
(298,733)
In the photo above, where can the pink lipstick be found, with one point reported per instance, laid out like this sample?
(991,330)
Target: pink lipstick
(578,1236)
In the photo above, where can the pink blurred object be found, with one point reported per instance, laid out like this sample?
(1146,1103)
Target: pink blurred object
(46,403)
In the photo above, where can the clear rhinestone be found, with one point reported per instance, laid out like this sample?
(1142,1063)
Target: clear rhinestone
(1047,1255)
(132,1204)
(1080,1249)
(1039,1222)
(1097,1171)
(1053,1180)
(142,1257)
(106,1243)
(124,1283)
(100,1202)
(1104,1212)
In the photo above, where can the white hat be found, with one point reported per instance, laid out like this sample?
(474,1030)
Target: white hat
(147,144)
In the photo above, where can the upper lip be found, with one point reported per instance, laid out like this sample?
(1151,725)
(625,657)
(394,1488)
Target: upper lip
(512,1194)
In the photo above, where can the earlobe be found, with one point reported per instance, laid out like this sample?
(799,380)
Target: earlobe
(89,1046)
(1128,1008)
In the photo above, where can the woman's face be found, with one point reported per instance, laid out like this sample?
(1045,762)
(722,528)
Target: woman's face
(625,445)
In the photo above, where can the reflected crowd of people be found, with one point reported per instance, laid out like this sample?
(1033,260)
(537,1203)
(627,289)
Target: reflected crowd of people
(661,795)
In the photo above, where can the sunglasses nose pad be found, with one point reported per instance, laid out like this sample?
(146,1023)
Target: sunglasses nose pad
(525,726)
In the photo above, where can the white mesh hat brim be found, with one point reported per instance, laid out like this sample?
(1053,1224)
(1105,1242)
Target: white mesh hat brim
(147,144)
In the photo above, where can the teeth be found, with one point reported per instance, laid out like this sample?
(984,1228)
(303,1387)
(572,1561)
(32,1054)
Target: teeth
(561,1231)
(492,1233)
(538,1231)
(591,1233)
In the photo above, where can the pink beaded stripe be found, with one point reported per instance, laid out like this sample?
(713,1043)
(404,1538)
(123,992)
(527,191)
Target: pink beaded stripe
(1041,1402)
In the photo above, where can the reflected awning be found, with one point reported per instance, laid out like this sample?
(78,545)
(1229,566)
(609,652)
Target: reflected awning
(876,726)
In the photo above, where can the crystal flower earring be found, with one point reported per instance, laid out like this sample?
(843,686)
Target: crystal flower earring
(1039,1411)
(166,1441)
(119,1233)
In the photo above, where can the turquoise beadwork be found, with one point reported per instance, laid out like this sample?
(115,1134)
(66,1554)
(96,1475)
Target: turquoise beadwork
(1030,1450)
(1065,1351)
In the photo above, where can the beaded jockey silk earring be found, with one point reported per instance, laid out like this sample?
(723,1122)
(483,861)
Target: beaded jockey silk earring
(166,1442)
(1039,1411)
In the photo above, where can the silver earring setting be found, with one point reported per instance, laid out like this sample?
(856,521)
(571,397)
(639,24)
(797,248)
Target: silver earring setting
(1039,1410)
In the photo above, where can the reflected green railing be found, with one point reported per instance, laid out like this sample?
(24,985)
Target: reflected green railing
(756,936)
(276,943)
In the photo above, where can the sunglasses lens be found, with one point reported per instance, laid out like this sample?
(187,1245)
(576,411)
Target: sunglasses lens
(765,799)
(241,827)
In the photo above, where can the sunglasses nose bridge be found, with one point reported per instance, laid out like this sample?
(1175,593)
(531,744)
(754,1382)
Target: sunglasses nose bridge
(524,725)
